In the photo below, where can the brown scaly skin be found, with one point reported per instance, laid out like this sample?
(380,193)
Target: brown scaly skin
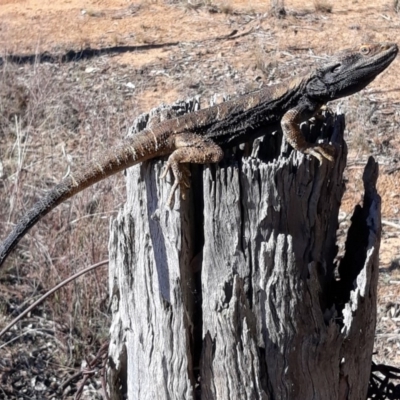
(200,137)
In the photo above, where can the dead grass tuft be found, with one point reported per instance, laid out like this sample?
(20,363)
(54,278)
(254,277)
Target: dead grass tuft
(278,8)
(194,5)
(266,63)
(226,8)
(94,13)
(52,119)
(323,6)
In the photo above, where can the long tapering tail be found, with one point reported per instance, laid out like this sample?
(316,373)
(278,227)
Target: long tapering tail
(139,148)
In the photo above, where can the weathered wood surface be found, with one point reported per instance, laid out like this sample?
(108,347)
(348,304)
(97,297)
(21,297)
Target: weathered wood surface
(232,294)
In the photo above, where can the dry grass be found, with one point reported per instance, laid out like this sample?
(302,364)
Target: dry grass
(49,124)
(323,6)
(278,8)
(226,8)
(193,5)
(54,117)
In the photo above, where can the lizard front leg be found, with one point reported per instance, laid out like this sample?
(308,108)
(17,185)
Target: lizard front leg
(189,148)
(291,129)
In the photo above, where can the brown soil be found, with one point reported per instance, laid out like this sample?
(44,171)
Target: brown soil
(190,62)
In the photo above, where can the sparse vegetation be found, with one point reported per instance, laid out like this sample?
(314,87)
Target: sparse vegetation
(396,6)
(53,124)
(266,64)
(323,6)
(196,4)
(94,13)
(278,8)
(53,117)
(226,8)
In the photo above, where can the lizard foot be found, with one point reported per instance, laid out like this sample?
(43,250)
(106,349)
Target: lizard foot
(321,152)
(320,115)
(182,179)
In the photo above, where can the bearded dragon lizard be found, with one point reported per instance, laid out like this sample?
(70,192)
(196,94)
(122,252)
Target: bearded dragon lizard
(202,136)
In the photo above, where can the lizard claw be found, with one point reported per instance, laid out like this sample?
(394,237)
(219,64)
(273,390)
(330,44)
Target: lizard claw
(320,115)
(165,172)
(170,200)
(181,174)
(321,152)
(185,176)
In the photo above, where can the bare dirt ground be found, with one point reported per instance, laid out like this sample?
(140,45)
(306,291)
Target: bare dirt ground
(55,115)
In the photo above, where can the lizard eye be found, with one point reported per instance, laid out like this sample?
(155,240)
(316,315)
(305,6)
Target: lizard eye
(364,50)
(335,68)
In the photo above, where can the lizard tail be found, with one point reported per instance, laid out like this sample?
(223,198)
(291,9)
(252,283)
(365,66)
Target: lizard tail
(139,148)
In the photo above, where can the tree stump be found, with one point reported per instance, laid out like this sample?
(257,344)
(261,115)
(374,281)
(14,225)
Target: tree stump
(235,293)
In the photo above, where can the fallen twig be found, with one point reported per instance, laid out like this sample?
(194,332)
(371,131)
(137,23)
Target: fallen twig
(50,292)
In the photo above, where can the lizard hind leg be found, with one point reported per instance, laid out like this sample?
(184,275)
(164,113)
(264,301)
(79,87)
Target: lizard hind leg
(189,148)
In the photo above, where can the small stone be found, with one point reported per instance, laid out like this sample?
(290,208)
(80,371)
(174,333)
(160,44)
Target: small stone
(130,85)
(89,70)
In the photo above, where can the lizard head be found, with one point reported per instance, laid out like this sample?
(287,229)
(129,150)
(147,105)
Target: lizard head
(351,71)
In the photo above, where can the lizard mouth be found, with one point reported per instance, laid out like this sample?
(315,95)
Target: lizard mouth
(356,72)
(378,63)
